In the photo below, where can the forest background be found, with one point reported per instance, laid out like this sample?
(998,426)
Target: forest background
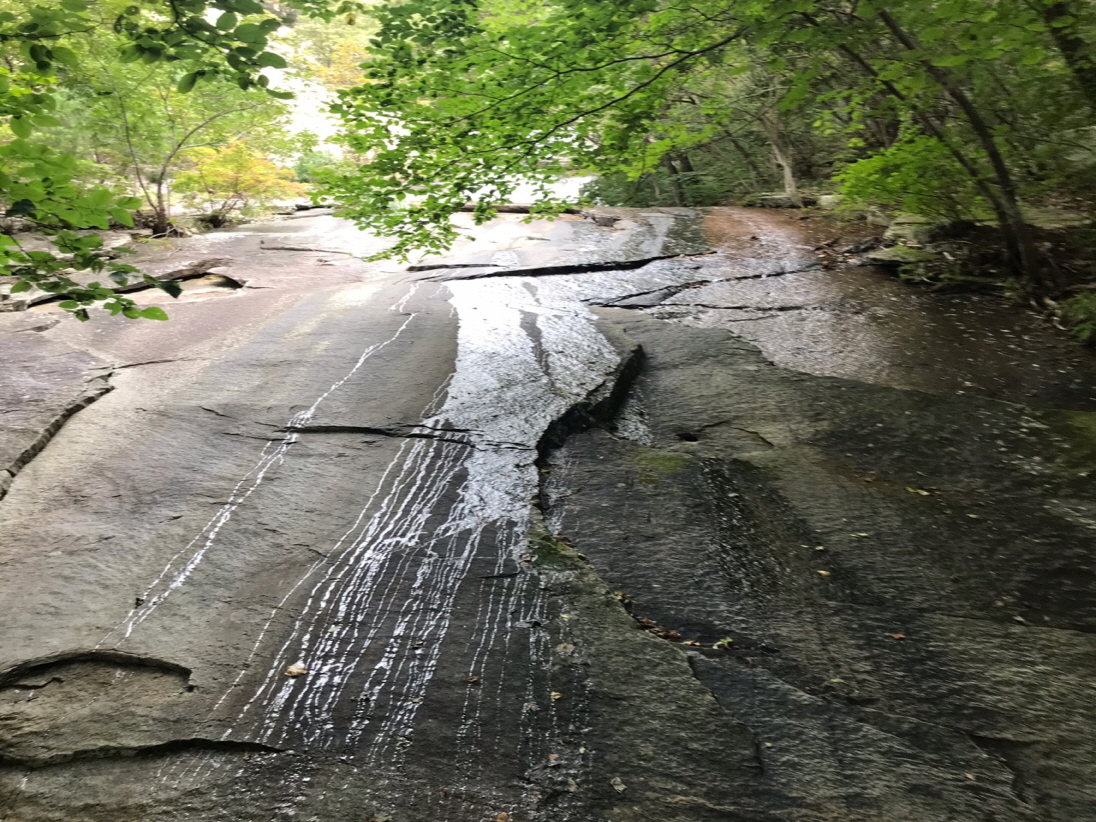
(974,115)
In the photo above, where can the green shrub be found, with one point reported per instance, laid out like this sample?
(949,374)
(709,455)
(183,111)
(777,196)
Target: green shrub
(916,175)
(1080,312)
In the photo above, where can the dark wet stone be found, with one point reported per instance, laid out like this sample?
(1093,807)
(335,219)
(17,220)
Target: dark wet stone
(891,589)
(348,548)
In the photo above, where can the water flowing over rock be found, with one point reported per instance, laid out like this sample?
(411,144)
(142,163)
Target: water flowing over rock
(532,532)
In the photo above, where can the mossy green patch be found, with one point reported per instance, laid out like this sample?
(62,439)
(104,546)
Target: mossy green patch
(551,550)
(1083,424)
(654,464)
(1078,430)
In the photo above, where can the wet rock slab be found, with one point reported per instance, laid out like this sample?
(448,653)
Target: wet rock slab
(393,549)
(893,591)
(45,382)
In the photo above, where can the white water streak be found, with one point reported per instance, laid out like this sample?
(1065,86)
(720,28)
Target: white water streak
(174,576)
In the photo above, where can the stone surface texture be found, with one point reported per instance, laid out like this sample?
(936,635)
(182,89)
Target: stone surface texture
(635,516)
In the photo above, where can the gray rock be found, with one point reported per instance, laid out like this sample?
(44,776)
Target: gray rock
(778,200)
(899,255)
(912,229)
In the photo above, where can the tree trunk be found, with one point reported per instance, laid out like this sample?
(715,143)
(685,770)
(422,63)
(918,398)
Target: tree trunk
(1077,54)
(783,153)
(161,219)
(675,180)
(1023,257)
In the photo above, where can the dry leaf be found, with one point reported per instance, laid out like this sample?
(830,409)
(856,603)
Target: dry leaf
(617,784)
(897,636)
(920,491)
(296,670)
(823,573)
(473,679)
(555,695)
(969,775)
(502,816)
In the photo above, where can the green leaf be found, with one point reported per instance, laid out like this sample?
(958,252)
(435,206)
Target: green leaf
(948,60)
(172,287)
(227,21)
(186,83)
(154,313)
(121,216)
(269,58)
(68,305)
(65,56)
(20,286)
(21,126)
(249,33)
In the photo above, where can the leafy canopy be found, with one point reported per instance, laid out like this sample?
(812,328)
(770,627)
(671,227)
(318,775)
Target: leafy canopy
(48,63)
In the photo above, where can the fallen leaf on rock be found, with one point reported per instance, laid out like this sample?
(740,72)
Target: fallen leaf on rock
(692,642)
(823,573)
(556,695)
(897,636)
(920,491)
(502,816)
(296,670)
(473,679)
(617,784)
(969,775)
